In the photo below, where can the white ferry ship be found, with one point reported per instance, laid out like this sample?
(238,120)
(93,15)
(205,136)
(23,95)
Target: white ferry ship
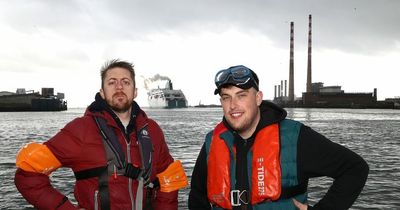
(166,97)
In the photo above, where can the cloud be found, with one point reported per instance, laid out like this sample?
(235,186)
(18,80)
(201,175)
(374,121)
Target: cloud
(364,26)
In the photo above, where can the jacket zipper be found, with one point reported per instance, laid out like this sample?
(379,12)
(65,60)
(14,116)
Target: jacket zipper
(128,153)
(96,201)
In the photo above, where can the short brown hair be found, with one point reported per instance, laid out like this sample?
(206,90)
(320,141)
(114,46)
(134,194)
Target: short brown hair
(117,63)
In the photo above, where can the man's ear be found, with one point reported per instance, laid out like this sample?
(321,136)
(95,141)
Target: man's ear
(259,97)
(135,93)
(102,93)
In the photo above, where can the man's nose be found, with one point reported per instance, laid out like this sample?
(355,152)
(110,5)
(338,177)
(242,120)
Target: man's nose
(119,85)
(233,103)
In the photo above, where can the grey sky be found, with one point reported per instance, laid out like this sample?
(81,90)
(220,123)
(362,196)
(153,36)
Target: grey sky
(63,35)
(345,25)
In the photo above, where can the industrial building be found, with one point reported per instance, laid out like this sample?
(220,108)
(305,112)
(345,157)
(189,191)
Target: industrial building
(319,96)
(23,100)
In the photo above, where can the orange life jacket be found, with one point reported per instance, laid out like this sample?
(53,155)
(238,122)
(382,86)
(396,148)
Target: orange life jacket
(266,170)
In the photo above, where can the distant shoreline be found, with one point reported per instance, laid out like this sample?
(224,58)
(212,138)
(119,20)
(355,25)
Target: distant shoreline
(207,106)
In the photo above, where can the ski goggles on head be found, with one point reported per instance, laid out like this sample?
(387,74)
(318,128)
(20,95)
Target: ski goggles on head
(239,76)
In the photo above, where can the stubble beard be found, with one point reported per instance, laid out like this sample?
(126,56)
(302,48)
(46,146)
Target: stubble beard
(240,127)
(245,125)
(119,106)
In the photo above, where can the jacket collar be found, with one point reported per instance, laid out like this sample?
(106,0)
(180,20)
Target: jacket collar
(100,108)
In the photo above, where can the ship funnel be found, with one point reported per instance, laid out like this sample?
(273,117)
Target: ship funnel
(170,85)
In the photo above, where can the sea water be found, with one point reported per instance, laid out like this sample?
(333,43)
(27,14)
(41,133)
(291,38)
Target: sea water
(372,133)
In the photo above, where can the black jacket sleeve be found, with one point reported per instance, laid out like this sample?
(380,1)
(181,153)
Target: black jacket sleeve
(198,185)
(318,156)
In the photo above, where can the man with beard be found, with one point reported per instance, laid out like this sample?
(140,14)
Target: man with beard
(257,159)
(118,155)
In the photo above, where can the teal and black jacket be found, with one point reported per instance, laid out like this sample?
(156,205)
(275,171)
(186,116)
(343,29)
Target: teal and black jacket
(304,154)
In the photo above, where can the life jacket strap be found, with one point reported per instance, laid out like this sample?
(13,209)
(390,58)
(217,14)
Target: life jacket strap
(89,173)
(103,190)
(110,141)
(96,172)
(132,171)
(145,149)
(101,173)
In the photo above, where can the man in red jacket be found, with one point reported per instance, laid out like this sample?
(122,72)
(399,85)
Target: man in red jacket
(118,154)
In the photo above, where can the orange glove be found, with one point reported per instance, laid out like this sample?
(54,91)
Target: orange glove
(35,157)
(173,178)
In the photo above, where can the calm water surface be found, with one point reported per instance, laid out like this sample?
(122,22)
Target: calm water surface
(374,134)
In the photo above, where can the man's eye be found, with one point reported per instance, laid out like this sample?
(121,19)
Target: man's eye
(224,98)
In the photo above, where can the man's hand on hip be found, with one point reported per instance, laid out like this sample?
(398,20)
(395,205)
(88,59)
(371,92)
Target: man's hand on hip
(300,206)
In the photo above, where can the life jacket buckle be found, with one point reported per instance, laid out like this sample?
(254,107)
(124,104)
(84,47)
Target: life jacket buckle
(236,197)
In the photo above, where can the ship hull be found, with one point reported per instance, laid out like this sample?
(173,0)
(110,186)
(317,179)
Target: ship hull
(168,104)
(30,102)
(166,98)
